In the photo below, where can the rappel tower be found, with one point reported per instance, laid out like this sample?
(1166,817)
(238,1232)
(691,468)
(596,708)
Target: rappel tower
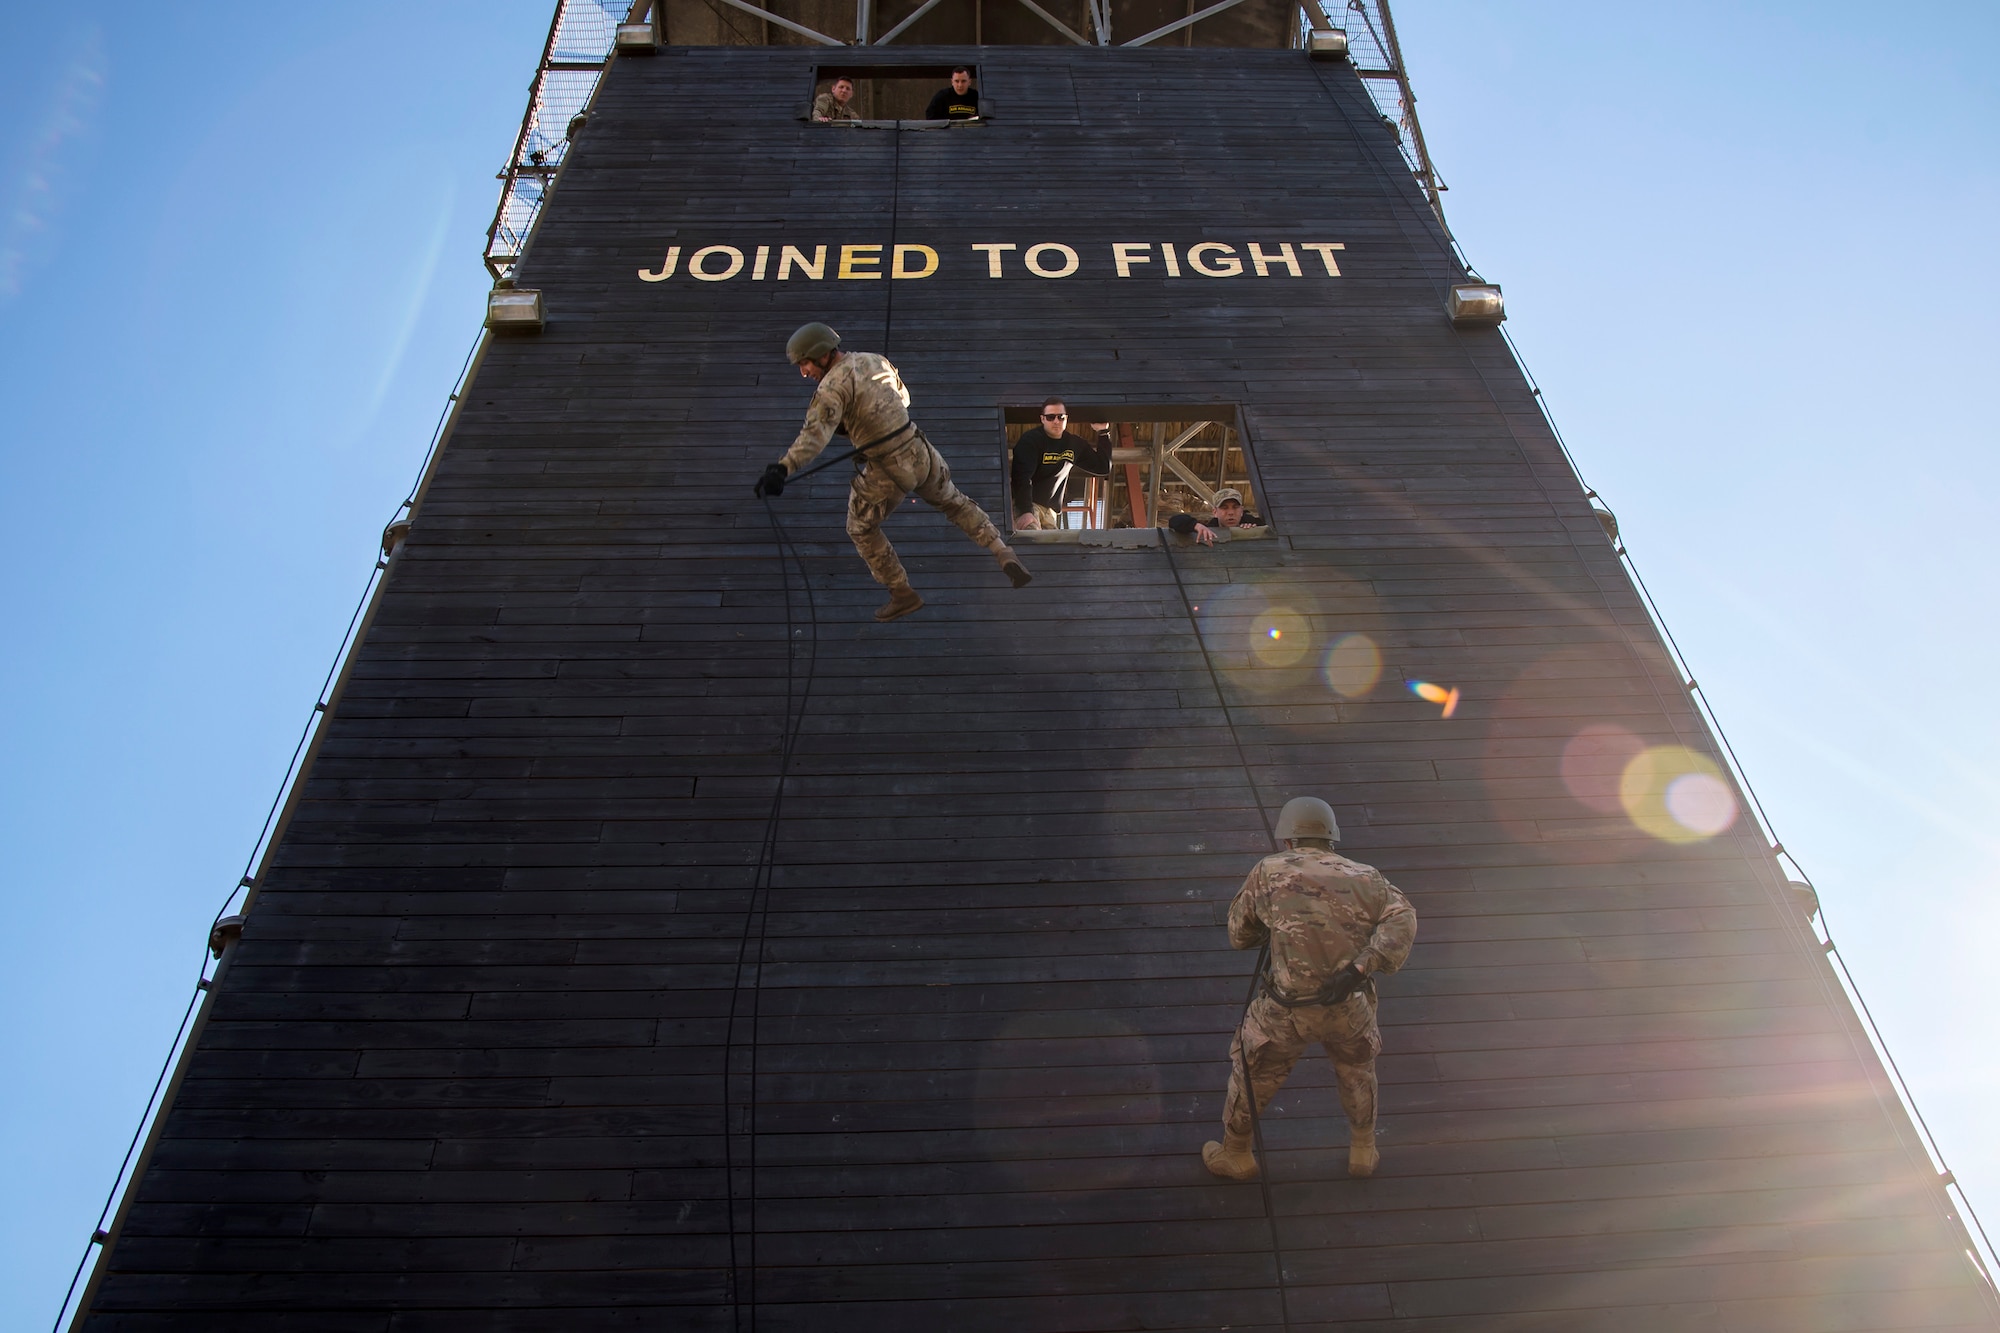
(653,940)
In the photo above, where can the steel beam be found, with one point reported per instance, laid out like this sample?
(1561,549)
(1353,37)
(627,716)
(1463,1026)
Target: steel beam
(926,7)
(1156,471)
(1178,24)
(1182,471)
(1135,493)
(785,23)
(1049,19)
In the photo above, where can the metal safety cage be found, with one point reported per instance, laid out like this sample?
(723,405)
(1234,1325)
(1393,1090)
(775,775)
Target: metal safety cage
(1378,59)
(580,42)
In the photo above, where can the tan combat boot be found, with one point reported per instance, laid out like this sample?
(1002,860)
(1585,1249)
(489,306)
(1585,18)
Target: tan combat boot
(1231,1159)
(1010,565)
(1362,1158)
(903,599)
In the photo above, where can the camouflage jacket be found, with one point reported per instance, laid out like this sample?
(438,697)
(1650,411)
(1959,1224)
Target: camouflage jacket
(825,107)
(1321,912)
(862,395)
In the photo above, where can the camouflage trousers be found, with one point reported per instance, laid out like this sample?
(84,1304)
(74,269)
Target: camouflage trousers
(1273,1038)
(912,465)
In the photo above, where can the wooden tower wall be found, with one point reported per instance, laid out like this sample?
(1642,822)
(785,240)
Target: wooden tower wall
(507,1002)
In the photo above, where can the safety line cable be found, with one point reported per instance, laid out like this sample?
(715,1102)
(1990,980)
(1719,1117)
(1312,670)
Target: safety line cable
(1777,848)
(1705,710)
(1256,972)
(757,911)
(895,210)
(321,703)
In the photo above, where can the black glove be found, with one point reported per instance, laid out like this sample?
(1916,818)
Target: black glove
(1344,984)
(772,482)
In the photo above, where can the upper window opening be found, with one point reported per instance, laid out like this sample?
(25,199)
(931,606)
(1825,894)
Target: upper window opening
(940,95)
(1077,468)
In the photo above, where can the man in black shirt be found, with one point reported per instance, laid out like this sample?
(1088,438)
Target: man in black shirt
(1229,513)
(958,102)
(1049,463)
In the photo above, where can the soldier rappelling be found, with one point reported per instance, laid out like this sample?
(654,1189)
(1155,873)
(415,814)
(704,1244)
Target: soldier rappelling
(1332,926)
(862,394)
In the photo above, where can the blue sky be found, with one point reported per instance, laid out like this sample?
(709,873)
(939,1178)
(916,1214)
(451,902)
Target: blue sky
(1744,250)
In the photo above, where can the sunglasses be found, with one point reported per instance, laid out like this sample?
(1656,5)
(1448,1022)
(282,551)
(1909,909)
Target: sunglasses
(1055,416)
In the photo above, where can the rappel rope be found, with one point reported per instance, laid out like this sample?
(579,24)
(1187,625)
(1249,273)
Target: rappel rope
(743,1271)
(1263,954)
(757,912)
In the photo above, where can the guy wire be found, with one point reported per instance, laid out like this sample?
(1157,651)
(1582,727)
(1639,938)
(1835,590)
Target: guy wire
(202,980)
(1704,711)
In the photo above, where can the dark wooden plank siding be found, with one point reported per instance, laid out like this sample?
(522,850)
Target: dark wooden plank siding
(509,1002)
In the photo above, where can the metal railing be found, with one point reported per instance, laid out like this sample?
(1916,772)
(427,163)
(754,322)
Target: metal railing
(1378,59)
(573,59)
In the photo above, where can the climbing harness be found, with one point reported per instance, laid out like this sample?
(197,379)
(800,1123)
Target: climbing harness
(858,451)
(1346,984)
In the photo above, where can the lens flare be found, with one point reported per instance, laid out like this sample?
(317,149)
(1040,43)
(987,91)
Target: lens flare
(1353,665)
(1436,694)
(1594,761)
(1701,804)
(1262,633)
(1676,795)
(1279,637)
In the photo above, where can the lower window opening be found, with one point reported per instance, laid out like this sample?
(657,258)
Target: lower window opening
(1087,470)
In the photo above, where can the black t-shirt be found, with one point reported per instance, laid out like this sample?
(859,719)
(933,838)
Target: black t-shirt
(1039,460)
(948,105)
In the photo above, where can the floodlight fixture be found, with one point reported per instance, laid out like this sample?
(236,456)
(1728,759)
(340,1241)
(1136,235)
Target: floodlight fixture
(1327,44)
(511,309)
(638,39)
(1606,520)
(1475,305)
(1804,898)
(395,535)
(225,932)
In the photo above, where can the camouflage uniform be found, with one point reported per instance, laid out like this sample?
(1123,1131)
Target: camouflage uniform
(1320,912)
(828,107)
(864,395)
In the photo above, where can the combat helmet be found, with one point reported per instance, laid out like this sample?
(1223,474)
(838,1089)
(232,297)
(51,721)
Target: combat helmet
(811,342)
(1307,817)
